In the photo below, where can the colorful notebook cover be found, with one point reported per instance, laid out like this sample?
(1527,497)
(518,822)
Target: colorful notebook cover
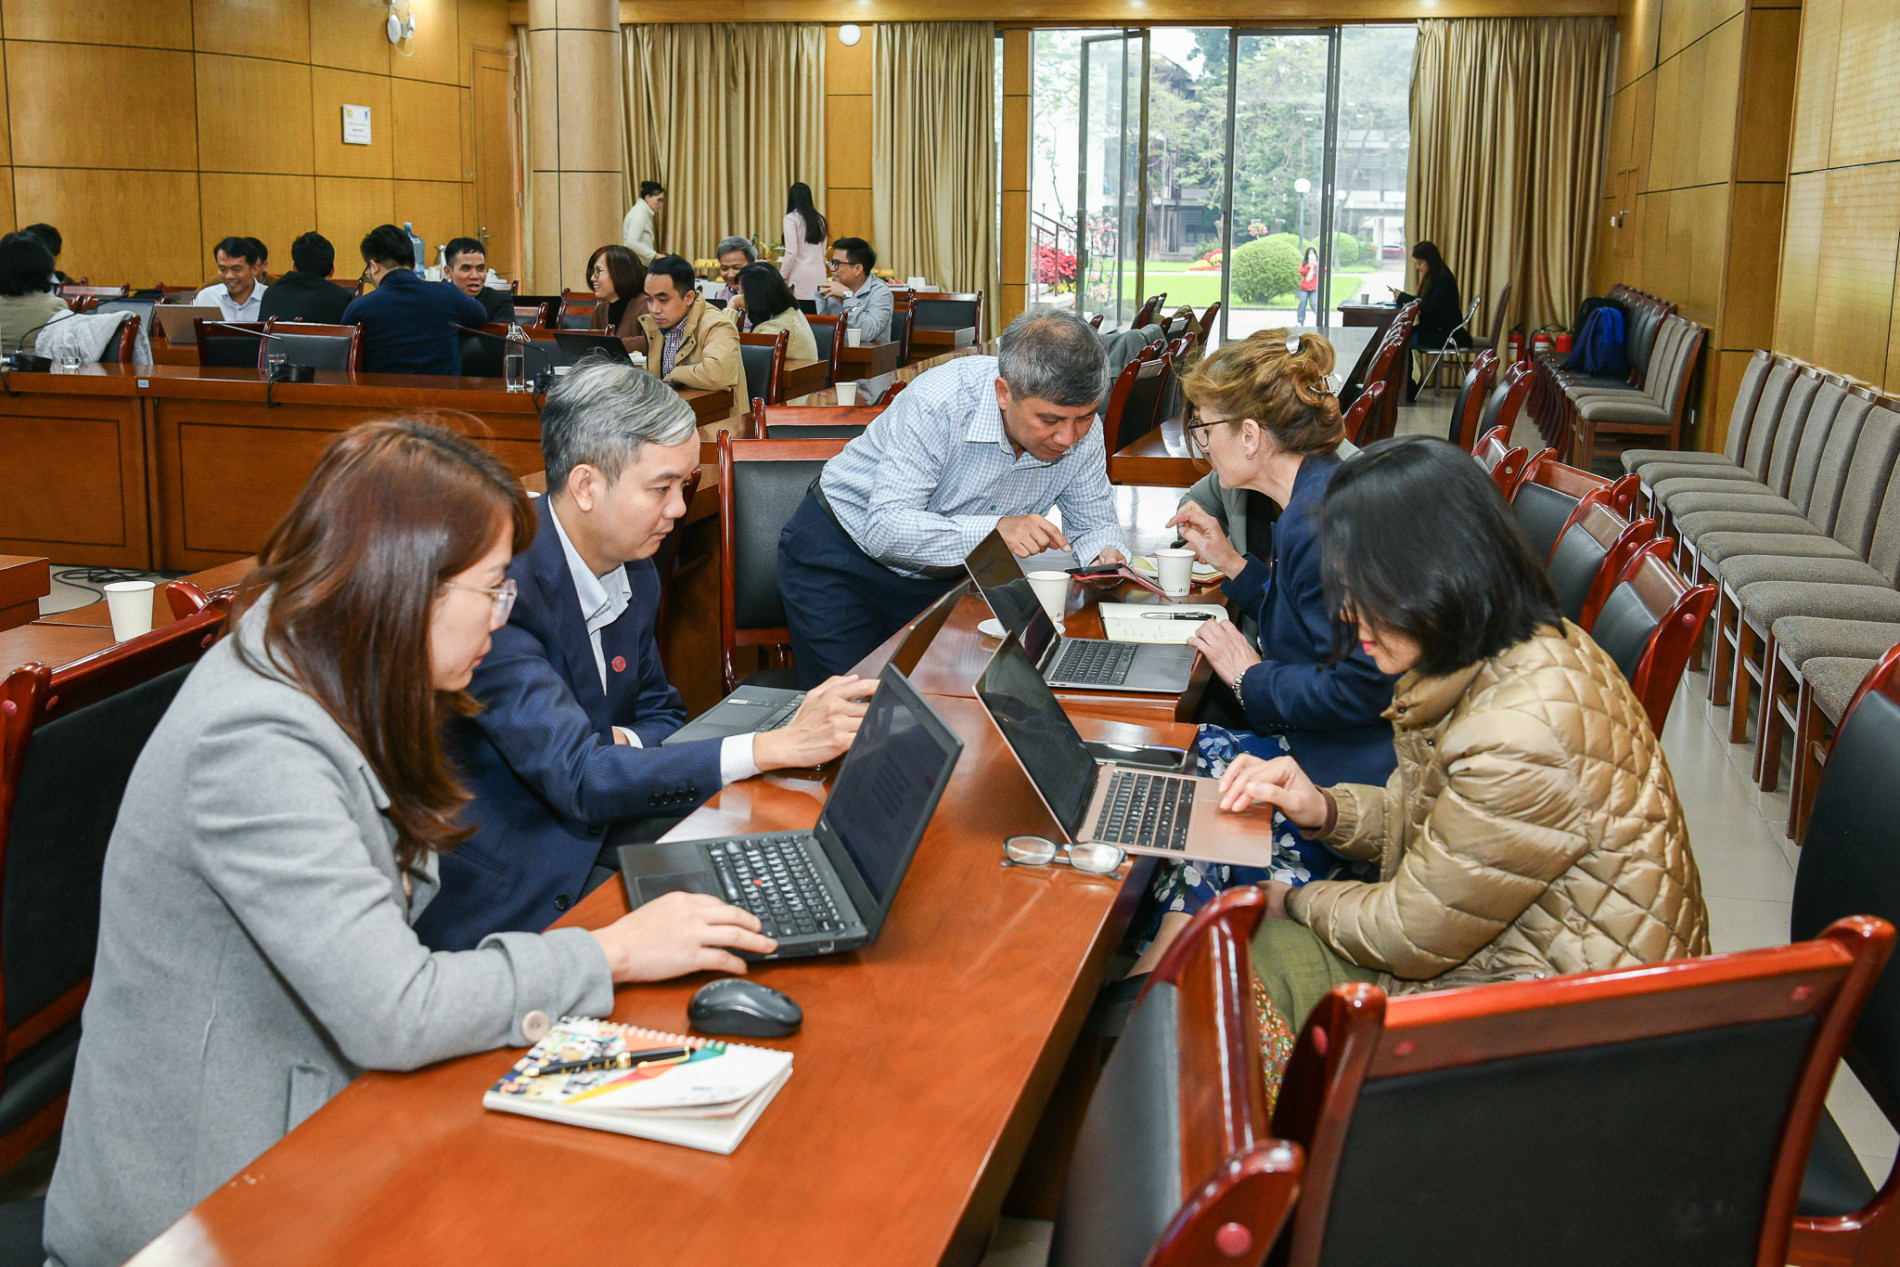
(707,1097)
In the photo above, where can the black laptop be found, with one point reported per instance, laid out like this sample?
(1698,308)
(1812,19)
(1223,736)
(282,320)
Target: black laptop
(576,344)
(1163,668)
(756,708)
(826,890)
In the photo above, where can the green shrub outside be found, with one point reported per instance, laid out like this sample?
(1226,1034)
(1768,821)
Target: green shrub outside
(1264,268)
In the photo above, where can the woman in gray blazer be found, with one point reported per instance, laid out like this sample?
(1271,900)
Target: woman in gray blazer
(279,837)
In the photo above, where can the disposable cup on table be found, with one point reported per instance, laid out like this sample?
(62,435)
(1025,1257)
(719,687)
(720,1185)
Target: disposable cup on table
(1176,567)
(847,393)
(130,605)
(854,338)
(1052,591)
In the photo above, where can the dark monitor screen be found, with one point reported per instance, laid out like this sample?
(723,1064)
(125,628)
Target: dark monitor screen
(889,784)
(1039,732)
(1004,587)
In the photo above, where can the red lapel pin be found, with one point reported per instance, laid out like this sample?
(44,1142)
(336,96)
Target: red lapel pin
(620,664)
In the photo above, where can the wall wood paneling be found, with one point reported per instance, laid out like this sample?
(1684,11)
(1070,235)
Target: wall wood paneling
(229,119)
(847,203)
(1839,305)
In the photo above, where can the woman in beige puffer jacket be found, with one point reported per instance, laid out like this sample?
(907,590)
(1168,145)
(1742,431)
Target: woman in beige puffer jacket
(1531,827)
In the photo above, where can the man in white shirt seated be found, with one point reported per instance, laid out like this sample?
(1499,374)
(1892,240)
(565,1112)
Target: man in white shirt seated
(238,291)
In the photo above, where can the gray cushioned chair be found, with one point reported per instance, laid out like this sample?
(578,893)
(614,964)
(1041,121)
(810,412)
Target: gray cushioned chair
(1791,471)
(1751,461)
(1746,397)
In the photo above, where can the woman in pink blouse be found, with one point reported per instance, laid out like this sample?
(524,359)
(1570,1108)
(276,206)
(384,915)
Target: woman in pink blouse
(805,236)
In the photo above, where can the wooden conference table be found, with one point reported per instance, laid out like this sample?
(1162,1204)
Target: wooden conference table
(922,1069)
(24,581)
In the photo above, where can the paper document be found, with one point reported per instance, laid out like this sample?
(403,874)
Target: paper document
(1156,622)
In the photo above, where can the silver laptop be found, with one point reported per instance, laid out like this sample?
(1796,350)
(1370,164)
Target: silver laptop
(176,319)
(1088,664)
(1142,810)
(826,890)
(756,708)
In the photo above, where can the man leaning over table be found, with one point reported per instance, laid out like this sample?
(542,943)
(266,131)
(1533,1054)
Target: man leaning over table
(976,444)
(863,299)
(564,757)
(690,343)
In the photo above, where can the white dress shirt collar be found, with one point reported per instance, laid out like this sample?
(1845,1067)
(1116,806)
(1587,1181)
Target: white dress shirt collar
(603,598)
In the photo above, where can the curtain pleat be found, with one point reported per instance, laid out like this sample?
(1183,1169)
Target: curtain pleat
(933,155)
(524,93)
(726,117)
(1508,118)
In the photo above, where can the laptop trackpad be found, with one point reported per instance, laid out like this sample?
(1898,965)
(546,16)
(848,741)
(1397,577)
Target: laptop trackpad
(655,886)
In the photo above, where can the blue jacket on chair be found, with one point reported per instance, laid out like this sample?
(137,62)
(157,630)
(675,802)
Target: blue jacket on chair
(540,757)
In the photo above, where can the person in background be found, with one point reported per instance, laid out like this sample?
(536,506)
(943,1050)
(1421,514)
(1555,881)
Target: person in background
(619,279)
(806,232)
(238,291)
(977,445)
(1264,416)
(767,302)
(689,342)
(854,293)
(263,260)
(636,230)
(281,835)
(409,325)
(27,301)
(1439,312)
(1531,828)
(306,292)
(465,267)
(733,254)
(564,757)
(1309,286)
(50,236)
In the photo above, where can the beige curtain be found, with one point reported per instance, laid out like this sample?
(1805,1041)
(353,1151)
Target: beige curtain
(1508,118)
(726,117)
(933,155)
(524,93)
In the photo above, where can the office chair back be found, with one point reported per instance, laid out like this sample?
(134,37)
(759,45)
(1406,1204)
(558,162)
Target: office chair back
(763,356)
(1472,395)
(1183,1094)
(532,316)
(825,333)
(1649,623)
(1134,401)
(577,310)
(761,482)
(229,345)
(68,742)
(1596,544)
(1503,463)
(1369,406)
(1208,319)
(948,311)
(812,422)
(321,347)
(1575,1120)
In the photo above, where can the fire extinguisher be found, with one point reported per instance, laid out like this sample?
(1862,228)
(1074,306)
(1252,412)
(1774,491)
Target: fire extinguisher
(1563,343)
(1517,347)
(1540,343)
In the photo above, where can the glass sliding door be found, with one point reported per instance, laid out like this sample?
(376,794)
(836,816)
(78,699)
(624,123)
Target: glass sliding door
(1108,167)
(1280,258)
(1375,75)
(1187,166)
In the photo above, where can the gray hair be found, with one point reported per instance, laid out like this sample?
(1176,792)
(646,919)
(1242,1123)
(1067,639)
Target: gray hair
(736,244)
(1053,356)
(600,413)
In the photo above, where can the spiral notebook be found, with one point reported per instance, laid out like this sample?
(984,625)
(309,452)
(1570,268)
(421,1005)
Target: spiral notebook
(707,1095)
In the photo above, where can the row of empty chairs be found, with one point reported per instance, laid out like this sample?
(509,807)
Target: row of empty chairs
(1368,422)
(1663,350)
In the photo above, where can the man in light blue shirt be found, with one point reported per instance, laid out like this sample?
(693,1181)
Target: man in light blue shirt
(854,292)
(978,444)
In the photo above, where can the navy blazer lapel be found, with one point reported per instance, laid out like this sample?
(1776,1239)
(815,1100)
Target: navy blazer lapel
(566,625)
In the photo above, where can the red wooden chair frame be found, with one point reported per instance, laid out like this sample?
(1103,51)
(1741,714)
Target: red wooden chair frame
(1482,377)
(36,693)
(1571,481)
(775,376)
(789,418)
(576,303)
(926,298)
(1119,430)
(532,316)
(1684,610)
(354,333)
(79,290)
(124,342)
(1358,1036)
(1503,463)
(1517,380)
(1620,539)
(1367,405)
(1241,1182)
(1095,322)
(777,640)
(1146,314)
(1207,324)
(837,345)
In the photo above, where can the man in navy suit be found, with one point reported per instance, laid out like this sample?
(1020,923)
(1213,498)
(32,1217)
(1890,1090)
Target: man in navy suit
(574,700)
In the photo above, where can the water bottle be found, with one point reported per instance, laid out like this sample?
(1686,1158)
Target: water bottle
(415,243)
(514,361)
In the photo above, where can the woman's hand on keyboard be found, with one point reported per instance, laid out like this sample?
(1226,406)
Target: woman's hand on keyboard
(822,728)
(1280,783)
(677,934)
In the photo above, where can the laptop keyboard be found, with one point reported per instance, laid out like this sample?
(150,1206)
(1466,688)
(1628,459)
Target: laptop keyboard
(1089,662)
(1151,810)
(783,715)
(773,877)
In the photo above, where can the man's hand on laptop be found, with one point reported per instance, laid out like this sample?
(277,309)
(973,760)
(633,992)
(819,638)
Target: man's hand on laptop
(822,728)
(1030,534)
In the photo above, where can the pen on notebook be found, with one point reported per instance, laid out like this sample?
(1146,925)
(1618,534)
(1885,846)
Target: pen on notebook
(1176,616)
(625,1060)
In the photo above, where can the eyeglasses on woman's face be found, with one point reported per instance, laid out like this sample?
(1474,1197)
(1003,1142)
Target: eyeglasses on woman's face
(503,596)
(1196,427)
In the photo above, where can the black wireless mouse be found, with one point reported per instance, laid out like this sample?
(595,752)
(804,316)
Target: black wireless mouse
(733,1005)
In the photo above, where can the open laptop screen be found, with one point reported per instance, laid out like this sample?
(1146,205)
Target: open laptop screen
(1000,577)
(889,785)
(1039,732)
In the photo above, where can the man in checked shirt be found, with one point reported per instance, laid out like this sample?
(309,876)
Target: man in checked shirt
(976,444)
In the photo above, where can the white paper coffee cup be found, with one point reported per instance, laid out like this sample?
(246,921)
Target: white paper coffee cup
(854,338)
(130,603)
(1052,591)
(847,393)
(1176,567)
